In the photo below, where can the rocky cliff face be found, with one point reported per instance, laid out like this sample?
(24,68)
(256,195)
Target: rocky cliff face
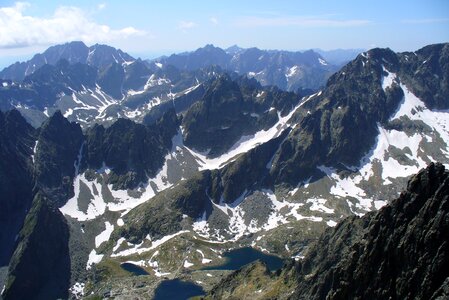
(133,151)
(426,71)
(40,266)
(400,252)
(58,147)
(17,140)
(231,109)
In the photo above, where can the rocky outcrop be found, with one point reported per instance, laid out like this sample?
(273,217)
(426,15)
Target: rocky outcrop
(193,197)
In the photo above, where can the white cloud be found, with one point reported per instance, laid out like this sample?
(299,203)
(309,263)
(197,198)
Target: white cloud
(67,24)
(186,25)
(300,21)
(213,20)
(101,6)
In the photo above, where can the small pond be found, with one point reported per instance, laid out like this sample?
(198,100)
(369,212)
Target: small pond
(134,269)
(237,258)
(177,289)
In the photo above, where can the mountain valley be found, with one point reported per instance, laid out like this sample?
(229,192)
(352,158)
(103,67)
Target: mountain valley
(168,164)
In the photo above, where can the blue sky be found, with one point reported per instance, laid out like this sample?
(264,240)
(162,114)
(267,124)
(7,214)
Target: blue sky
(149,28)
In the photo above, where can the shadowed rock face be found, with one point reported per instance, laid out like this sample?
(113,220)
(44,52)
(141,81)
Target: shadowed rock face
(40,266)
(16,146)
(59,144)
(230,109)
(133,151)
(399,252)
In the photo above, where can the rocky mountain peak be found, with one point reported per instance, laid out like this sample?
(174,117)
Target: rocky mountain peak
(99,56)
(59,147)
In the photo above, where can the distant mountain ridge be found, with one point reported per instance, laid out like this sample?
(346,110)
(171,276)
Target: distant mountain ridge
(339,57)
(99,84)
(287,70)
(97,55)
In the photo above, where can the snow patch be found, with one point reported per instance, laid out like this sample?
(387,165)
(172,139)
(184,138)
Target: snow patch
(291,72)
(331,223)
(378,204)
(68,113)
(96,207)
(77,290)
(136,249)
(204,260)
(34,150)
(94,258)
(387,81)
(104,235)
(322,61)
(277,218)
(187,264)
(318,205)
(122,200)
(201,227)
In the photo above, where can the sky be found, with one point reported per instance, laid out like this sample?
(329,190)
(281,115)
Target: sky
(148,29)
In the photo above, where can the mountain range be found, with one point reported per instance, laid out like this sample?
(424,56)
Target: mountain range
(99,84)
(218,160)
(287,70)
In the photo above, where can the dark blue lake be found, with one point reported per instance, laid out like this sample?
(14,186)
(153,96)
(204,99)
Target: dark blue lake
(237,258)
(132,268)
(177,290)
